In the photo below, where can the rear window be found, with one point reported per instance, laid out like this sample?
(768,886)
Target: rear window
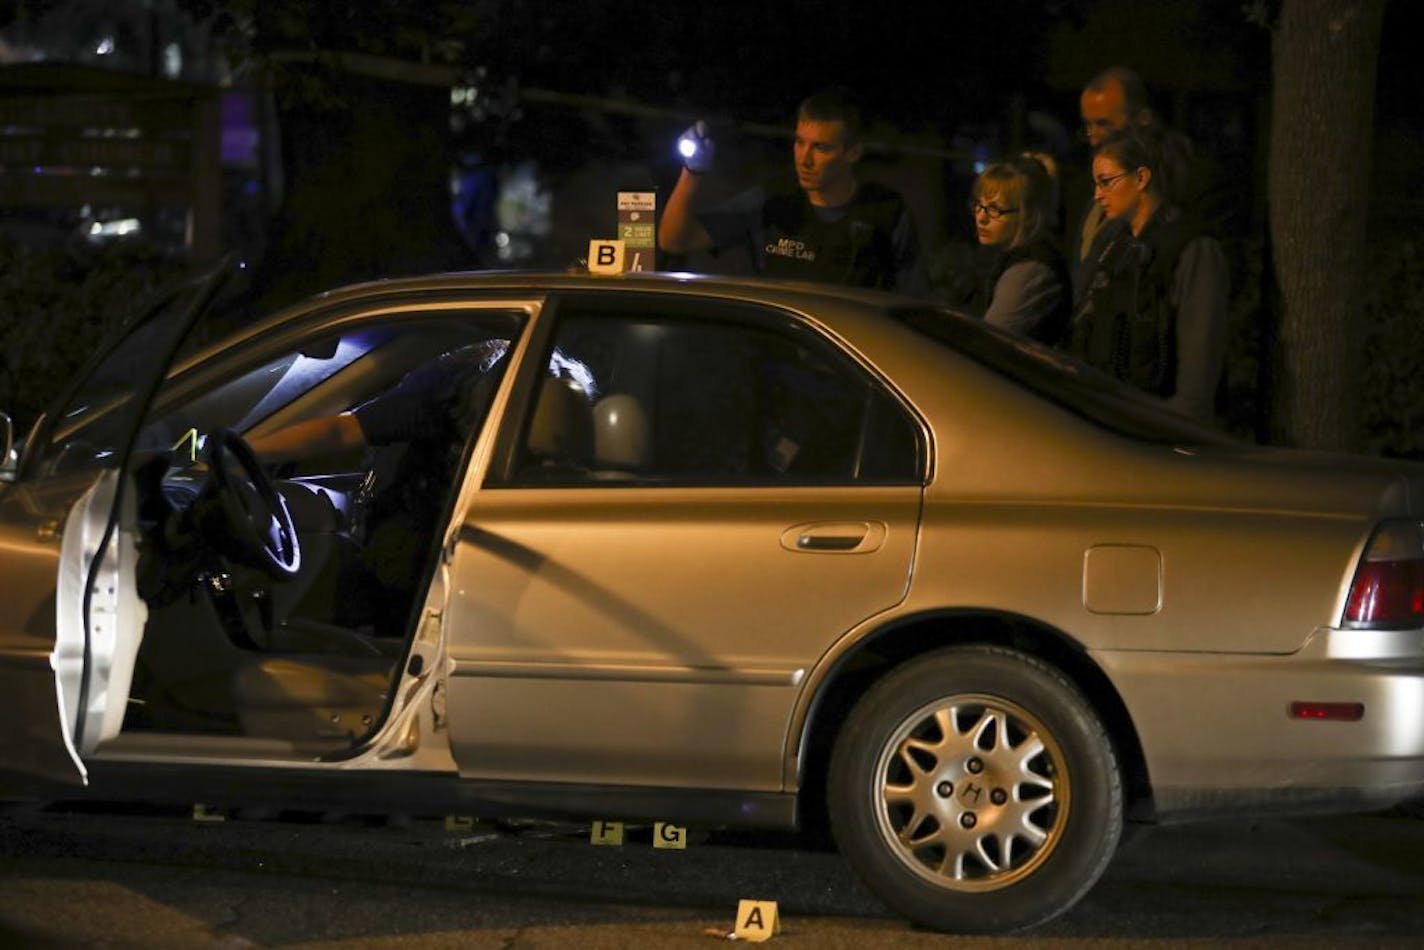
(1061,379)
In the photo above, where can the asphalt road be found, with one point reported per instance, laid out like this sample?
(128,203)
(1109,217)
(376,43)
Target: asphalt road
(90,878)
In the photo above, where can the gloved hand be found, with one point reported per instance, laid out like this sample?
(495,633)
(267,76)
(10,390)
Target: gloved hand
(696,148)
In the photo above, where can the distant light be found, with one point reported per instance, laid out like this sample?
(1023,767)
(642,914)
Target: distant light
(117,228)
(172,60)
(979,167)
(105,47)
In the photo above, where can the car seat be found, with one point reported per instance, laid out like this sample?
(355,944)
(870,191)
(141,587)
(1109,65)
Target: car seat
(561,432)
(621,435)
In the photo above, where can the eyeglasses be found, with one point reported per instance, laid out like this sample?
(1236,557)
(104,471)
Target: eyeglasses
(993,211)
(1103,184)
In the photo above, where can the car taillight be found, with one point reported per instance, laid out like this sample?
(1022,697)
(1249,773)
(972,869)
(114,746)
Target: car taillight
(1388,590)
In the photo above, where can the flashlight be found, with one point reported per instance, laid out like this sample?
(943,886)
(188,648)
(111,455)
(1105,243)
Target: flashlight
(695,148)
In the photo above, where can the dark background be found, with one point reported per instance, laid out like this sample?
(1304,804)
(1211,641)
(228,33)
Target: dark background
(566,103)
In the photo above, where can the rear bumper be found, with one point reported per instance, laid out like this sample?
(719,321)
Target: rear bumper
(1217,733)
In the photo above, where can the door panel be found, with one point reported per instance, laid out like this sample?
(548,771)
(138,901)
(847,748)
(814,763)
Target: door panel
(98,631)
(694,502)
(67,480)
(33,741)
(654,636)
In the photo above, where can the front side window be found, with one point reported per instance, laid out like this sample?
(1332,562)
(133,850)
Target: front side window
(660,398)
(87,431)
(362,432)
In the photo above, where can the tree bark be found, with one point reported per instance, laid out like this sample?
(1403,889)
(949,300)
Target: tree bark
(1324,59)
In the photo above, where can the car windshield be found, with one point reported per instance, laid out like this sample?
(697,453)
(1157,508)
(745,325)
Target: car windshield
(1060,378)
(251,396)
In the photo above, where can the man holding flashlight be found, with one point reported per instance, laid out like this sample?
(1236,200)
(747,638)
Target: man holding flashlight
(825,226)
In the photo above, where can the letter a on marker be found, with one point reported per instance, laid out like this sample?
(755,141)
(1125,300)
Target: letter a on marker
(757,921)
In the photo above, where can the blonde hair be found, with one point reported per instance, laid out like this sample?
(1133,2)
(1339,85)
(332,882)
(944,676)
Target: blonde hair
(1054,197)
(1023,182)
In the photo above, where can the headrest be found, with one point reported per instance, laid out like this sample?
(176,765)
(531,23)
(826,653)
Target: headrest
(561,429)
(620,432)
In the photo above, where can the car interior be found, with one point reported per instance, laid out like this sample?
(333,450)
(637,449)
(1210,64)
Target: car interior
(281,598)
(705,403)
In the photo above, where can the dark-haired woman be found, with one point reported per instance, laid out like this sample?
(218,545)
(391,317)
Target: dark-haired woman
(1027,286)
(1154,312)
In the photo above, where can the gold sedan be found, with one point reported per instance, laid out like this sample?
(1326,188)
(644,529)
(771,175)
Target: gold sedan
(709,551)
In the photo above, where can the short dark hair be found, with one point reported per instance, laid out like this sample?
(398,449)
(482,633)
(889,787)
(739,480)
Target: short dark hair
(835,104)
(1134,90)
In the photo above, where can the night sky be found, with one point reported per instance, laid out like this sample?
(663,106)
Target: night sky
(919,65)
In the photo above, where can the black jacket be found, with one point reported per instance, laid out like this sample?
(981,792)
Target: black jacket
(1125,322)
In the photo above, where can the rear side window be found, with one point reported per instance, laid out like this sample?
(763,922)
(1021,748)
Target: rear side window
(666,399)
(1061,379)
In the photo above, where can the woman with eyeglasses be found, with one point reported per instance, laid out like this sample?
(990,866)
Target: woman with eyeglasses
(1027,285)
(1154,311)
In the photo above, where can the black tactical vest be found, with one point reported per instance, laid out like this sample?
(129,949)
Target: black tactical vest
(1125,323)
(856,249)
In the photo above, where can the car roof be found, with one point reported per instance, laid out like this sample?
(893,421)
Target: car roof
(768,290)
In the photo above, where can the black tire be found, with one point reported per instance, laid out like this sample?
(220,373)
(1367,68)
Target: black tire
(982,835)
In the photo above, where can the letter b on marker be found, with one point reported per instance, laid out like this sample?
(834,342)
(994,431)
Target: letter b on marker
(606,257)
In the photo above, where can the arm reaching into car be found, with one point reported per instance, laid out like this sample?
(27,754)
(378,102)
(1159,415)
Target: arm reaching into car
(310,437)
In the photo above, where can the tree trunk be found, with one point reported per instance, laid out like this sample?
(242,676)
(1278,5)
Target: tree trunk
(1324,59)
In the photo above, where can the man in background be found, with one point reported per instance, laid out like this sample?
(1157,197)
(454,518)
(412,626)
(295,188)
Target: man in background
(825,224)
(1111,100)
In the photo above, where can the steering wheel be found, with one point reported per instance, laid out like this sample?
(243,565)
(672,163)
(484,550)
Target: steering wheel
(257,526)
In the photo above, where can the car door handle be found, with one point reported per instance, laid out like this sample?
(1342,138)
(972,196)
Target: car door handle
(813,542)
(834,537)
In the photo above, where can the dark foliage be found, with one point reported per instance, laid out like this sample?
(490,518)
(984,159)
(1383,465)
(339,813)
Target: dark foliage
(59,304)
(1392,323)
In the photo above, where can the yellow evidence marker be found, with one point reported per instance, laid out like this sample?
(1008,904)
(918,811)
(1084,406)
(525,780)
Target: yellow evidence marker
(607,257)
(668,835)
(757,921)
(606,832)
